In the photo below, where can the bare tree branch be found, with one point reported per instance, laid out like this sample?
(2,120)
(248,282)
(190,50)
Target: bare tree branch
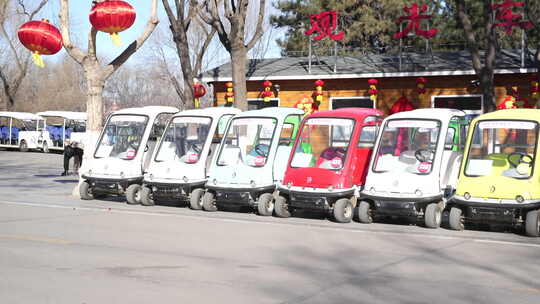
(202,51)
(259,29)
(71,49)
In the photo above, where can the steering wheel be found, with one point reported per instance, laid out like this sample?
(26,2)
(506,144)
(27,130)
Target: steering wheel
(259,149)
(133,144)
(423,155)
(524,158)
(196,148)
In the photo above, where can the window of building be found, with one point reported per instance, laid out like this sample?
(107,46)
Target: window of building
(258,103)
(351,102)
(470,104)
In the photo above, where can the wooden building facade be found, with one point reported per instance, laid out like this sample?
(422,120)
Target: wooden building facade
(450,80)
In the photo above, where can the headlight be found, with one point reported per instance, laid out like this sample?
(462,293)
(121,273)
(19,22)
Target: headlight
(215,181)
(330,188)
(122,174)
(372,190)
(467,195)
(185,179)
(89,172)
(252,183)
(289,185)
(418,192)
(520,199)
(151,176)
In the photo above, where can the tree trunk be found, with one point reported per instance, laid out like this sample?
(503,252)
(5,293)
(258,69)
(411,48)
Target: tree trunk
(537,59)
(486,85)
(94,103)
(239,59)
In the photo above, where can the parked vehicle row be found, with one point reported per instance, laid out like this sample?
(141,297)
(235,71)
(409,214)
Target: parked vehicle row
(43,131)
(420,164)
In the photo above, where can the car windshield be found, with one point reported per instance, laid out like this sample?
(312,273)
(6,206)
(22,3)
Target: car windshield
(407,145)
(248,141)
(502,148)
(184,139)
(323,143)
(122,136)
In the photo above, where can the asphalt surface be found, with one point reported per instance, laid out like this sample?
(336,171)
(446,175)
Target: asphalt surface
(58,249)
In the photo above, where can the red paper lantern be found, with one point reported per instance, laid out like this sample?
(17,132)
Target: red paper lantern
(267,93)
(372,91)
(112,17)
(229,95)
(198,92)
(318,90)
(421,85)
(41,38)
(401,105)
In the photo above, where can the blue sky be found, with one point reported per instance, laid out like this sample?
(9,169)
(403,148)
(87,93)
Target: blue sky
(80,26)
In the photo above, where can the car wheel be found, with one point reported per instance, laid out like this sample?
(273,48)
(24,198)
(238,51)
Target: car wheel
(343,210)
(209,202)
(133,194)
(146,196)
(365,213)
(23,147)
(532,223)
(281,207)
(265,204)
(433,215)
(85,191)
(456,219)
(195,199)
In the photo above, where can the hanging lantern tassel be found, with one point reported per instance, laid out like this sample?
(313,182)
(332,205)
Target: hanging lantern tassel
(116,39)
(38,60)
(373,90)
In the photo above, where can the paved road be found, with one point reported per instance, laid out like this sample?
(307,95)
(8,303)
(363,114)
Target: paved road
(57,249)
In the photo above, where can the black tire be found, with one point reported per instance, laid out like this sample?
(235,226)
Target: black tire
(281,207)
(85,191)
(265,204)
(146,197)
(365,213)
(343,210)
(23,147)
(209,202)
(456,219)
(45,147)
(433,216)
(133,194)
(195,199)
(532,223)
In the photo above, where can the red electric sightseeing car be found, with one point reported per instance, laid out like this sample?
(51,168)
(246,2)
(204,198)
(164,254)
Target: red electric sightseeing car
(327,167)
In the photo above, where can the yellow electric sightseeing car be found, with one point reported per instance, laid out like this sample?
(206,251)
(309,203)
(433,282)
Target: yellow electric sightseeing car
(499,181)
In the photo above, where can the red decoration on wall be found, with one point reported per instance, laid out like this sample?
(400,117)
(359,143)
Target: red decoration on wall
(505,14)
(318,90)
(307,105)
(324,25)
(198,92)
(41,38)
(535,90)
(229,95)
(401,105)
(267,92)
(112,17)
(415,17)
(372,91)
(421,85)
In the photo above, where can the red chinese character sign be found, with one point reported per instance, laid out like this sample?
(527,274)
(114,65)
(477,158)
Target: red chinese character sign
(415,15)
(324,25)
(505,14)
